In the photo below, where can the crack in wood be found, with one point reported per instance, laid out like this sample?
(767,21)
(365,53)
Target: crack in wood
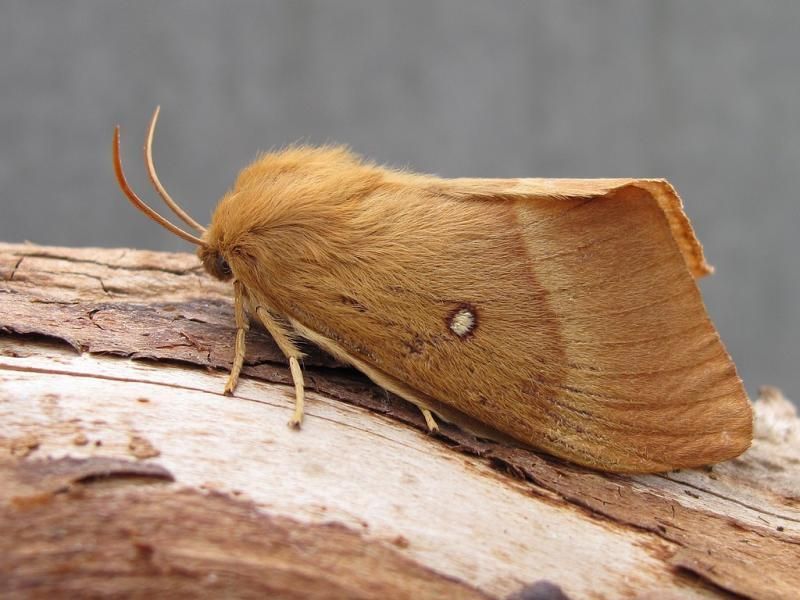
(170,385)
(72,259)
(741,503)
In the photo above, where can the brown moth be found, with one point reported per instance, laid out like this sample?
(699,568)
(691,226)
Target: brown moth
(558,313)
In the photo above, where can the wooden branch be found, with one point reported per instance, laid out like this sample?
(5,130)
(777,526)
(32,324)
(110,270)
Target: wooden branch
(122,476)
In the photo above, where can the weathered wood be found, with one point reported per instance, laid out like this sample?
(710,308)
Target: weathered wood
(170,485)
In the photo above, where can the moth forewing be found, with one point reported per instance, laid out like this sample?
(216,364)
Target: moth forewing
(587,336)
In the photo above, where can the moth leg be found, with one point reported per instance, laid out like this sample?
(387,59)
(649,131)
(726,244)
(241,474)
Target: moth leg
(242,326)
(278,333)
(433,426)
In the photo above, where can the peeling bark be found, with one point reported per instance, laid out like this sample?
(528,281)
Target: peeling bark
(162,468)
(154,540)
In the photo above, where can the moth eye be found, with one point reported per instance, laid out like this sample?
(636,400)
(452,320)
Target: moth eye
(222,266)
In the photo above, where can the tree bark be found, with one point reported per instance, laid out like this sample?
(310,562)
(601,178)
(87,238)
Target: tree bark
(138,477)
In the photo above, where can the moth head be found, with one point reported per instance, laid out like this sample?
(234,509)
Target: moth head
(209,250)
(273,204)
(215,263)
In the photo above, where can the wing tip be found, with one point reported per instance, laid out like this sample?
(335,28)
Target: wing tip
(672,205)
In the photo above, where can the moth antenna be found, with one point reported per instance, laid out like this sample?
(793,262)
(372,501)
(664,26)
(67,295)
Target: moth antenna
(151,171)
(139,203)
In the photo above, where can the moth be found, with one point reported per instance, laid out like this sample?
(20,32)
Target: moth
(560,314)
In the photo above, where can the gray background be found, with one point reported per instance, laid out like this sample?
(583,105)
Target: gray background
(705,94)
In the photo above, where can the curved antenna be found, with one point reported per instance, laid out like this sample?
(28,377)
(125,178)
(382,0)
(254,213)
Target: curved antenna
(151,171)
(138,203)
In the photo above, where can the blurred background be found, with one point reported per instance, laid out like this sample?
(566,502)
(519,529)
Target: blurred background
(704,94)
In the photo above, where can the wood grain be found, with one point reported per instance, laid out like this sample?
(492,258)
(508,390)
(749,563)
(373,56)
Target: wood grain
(361,502)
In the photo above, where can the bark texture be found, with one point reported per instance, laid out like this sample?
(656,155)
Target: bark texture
(138,477)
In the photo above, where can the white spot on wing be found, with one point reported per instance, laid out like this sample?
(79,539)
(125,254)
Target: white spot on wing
(462,322)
